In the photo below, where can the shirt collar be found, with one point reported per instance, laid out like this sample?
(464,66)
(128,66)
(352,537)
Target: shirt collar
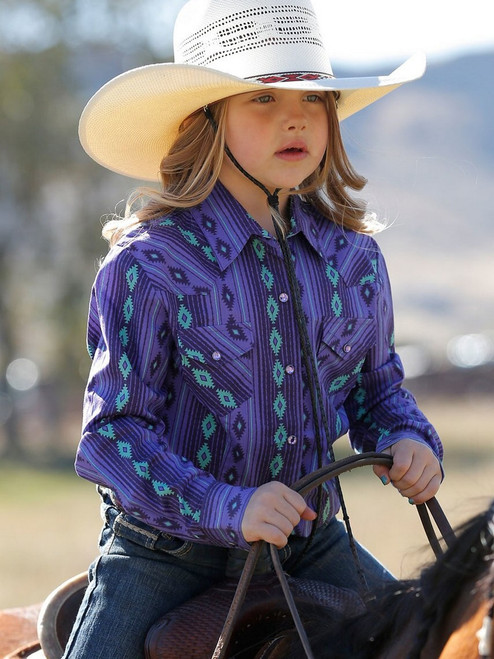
(305,221)
(228,227)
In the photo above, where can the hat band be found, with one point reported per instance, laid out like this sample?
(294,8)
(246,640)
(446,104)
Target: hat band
(293,76)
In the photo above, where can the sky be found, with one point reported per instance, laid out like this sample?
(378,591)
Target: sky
(388,31)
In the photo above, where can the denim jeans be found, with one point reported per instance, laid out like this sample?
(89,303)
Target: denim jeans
(141,574)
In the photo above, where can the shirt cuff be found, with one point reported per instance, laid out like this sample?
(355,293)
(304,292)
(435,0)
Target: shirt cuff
(222,514)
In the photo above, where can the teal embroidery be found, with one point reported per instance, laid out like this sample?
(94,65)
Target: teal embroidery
(280,436)
(167,222)
(124,337)
(336,305)
(128,309)
(203,378)
(187,511)
(279,405)
(209,253)
(276,465)
(162,489)
(278,373)
(208,426)
(132,275)
(204,456)
(338,383)
(275,341)
(124,366)
(195,354)
(124,450)
(107,431)
(226,398)
(142,469)
(273,309)
(327,510)
(267,277)
(184,317)
(122,398)
(189,237)
(332,274)
(368,279)
(259,249)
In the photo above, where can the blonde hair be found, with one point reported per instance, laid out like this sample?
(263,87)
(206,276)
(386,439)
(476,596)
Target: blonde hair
(190,170)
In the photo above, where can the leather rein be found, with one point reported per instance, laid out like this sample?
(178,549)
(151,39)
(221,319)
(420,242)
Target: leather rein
(303,486)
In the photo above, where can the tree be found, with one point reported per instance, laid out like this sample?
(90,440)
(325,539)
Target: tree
(53,55)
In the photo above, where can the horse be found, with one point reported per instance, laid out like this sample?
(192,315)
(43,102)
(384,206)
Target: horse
(446,612)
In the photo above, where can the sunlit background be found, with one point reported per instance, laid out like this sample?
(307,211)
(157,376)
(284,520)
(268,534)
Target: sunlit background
(427,150)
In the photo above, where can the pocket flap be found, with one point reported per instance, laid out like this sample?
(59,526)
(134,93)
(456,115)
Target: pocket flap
(215,342)
(344,335)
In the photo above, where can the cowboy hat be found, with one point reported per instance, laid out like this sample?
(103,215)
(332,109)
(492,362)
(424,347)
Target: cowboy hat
(221,48)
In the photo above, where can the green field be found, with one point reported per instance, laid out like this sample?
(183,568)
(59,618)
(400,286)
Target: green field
(50,519)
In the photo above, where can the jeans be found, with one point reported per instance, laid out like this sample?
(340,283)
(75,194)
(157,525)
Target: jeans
(141,574)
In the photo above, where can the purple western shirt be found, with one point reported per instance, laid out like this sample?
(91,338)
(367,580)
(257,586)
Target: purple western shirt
(197,392)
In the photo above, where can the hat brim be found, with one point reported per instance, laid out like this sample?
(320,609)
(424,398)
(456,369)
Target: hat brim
(133,120)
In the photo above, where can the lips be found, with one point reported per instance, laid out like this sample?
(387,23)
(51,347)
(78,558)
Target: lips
(293,152)
(293,148)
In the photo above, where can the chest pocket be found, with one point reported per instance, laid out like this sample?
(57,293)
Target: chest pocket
(216,362)
(344,345)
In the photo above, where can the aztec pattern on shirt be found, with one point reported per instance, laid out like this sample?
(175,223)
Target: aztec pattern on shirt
(197,390)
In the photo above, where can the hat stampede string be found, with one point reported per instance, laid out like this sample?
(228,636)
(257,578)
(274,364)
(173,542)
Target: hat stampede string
(318,411)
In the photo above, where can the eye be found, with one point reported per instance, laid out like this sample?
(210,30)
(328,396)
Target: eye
(314,98)
(263,98)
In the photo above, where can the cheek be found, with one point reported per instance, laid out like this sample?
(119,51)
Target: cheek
(245,143)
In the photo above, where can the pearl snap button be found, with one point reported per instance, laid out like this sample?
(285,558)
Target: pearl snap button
(216,356)
(292,439)
(290,369)
(283,297)
(347,347)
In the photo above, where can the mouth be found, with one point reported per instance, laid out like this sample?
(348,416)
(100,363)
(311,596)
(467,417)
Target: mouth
(292,151)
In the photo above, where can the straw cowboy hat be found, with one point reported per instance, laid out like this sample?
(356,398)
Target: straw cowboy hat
(221,48)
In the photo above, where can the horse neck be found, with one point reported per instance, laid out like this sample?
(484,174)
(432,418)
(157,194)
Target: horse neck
(462,620)
(464,641)
(462,615)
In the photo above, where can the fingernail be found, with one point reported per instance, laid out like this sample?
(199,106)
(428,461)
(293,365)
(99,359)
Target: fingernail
(384,480)
(411,501)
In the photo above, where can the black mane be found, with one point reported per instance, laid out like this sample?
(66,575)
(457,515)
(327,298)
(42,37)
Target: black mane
(425,600)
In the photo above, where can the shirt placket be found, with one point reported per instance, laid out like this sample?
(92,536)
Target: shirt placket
(284,364)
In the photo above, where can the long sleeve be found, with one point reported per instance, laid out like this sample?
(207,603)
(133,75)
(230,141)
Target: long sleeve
(124,444)
(379,409)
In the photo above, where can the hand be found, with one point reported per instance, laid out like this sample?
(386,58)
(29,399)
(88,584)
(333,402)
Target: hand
(272,513)
(415,472)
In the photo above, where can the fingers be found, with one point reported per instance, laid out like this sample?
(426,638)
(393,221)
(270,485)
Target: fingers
(382,472)
(415,472)
(273,512)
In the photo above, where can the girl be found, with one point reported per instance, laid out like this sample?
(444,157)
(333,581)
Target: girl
(240,324)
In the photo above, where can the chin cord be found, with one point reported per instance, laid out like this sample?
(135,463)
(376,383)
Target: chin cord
(308,358)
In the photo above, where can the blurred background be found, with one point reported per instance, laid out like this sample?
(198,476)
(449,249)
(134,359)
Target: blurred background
(428,152)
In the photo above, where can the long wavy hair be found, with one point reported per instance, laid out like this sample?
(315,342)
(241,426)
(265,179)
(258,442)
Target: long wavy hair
(190,170)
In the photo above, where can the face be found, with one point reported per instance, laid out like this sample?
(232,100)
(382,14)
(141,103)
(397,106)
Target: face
(279,136)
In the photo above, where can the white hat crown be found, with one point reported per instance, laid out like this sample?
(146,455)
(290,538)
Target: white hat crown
(250,39)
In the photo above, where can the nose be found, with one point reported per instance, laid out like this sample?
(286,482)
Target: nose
(294,117)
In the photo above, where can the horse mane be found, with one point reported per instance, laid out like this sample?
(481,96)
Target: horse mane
(423,602)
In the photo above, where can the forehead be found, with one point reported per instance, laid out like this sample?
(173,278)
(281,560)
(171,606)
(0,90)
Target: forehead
(276,92)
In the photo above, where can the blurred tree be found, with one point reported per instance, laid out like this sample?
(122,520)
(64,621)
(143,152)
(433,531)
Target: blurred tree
(53,55)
